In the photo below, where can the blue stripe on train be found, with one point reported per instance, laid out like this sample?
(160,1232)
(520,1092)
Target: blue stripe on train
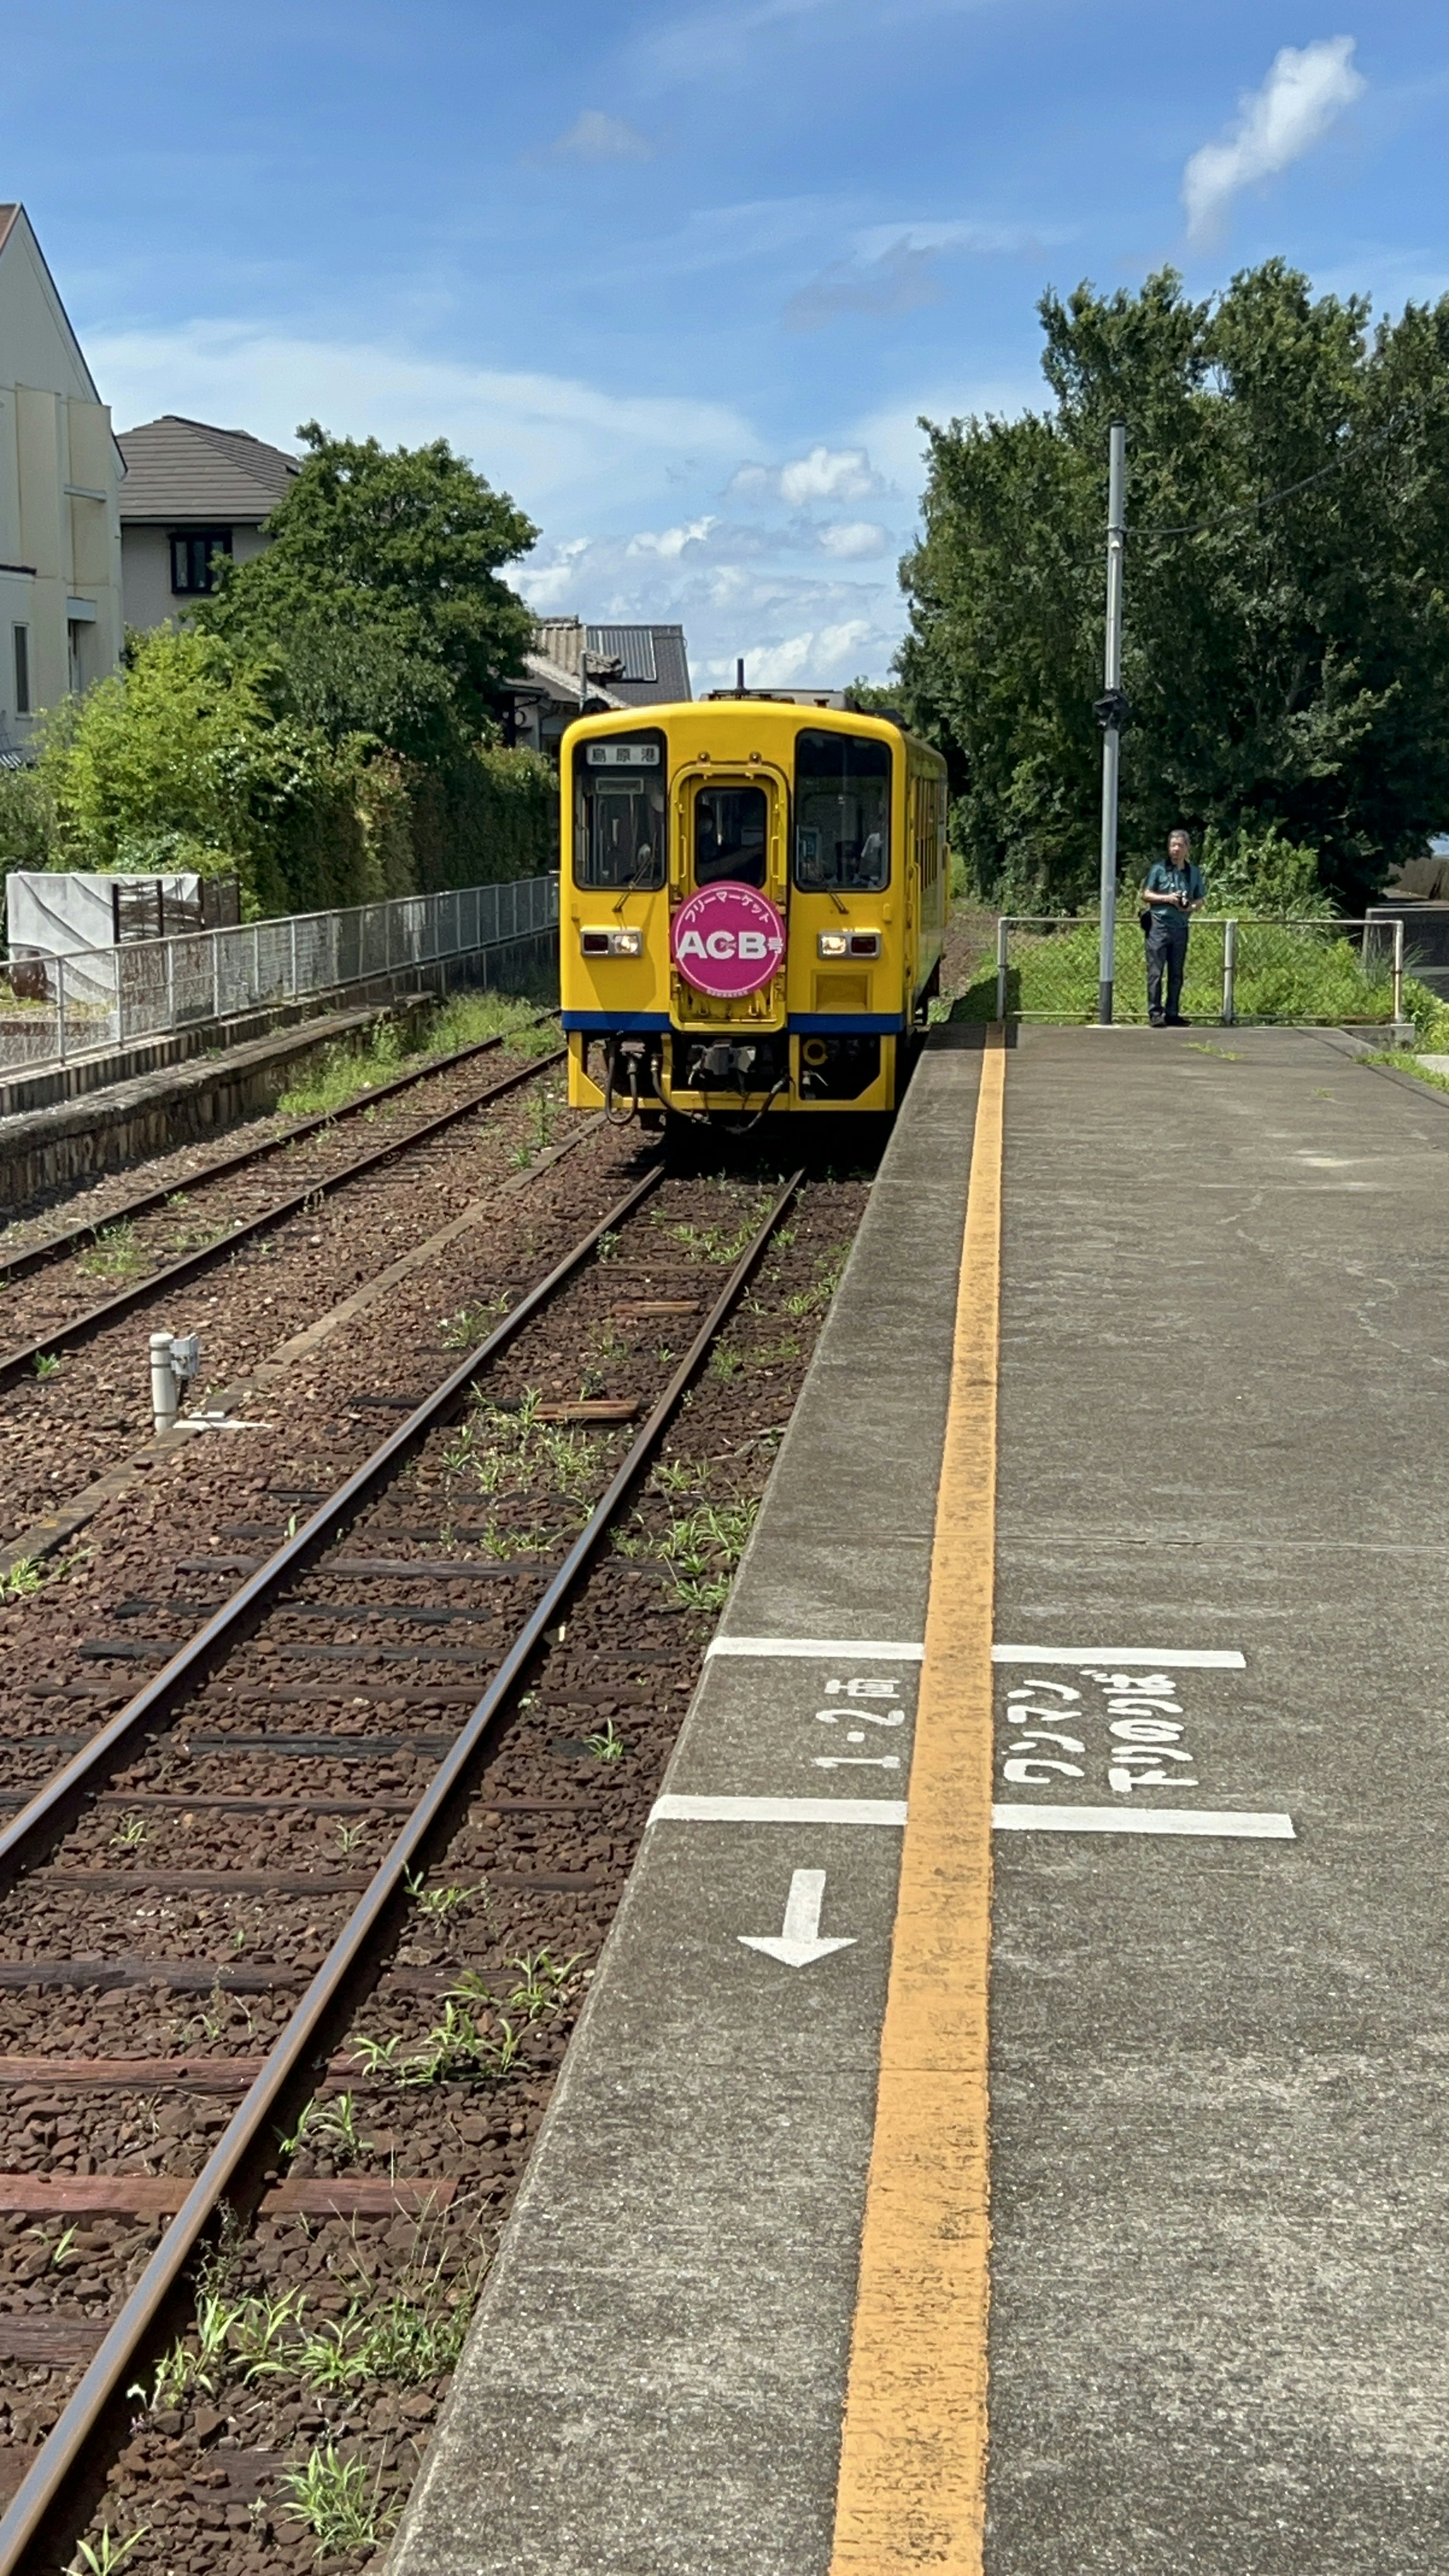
(805,1023)
(615,1019)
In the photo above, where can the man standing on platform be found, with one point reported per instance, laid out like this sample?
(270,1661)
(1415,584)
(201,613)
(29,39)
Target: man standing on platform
(1173,893)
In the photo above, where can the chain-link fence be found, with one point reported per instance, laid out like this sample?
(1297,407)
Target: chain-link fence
(1299,973)
(52,1007)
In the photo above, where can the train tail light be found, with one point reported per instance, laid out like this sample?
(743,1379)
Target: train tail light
(865,943)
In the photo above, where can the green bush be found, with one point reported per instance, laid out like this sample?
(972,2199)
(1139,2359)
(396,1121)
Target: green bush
(484,817)
(1262,872)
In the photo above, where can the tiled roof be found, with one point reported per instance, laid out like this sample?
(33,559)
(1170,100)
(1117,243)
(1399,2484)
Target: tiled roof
(179,470)
(639,666)
(654,665)
(562,684)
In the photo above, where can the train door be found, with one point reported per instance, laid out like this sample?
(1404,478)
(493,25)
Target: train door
(729,896)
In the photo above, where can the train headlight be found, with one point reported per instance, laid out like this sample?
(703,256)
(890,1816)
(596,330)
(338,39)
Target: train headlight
(833,943)
(612,943)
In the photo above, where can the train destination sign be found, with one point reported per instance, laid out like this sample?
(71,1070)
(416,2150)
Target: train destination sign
(727,940)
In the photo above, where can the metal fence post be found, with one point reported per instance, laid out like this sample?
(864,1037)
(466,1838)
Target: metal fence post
(1001,953)
(1230,969)
(215,975)
(1399,968)
(60,1003)
(293,992)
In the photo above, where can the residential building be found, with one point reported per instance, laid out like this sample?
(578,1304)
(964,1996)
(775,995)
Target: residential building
(60,478)
(192,493)
(575,668)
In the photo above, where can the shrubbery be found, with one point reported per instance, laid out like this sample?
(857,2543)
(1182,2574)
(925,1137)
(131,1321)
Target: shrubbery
(322,726)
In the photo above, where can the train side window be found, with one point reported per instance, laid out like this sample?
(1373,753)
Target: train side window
(842,811)
(620,822)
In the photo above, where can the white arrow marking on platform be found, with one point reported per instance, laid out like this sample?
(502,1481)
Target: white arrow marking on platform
(800,1943)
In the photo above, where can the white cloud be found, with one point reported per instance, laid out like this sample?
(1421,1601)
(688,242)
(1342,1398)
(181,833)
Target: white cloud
(670,543)
(827,474)
(536,435)
(853,540)
(821,657)
(597,137)
(1303,94)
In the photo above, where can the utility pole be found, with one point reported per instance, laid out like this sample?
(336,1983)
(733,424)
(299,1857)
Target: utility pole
(1110,711)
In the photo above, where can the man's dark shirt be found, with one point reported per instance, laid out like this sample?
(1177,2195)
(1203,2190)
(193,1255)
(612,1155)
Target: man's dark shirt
(1164,878)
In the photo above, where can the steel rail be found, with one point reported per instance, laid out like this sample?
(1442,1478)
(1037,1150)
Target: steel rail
(58,1247)
(53,1805)
(13,1364)
(307,2036)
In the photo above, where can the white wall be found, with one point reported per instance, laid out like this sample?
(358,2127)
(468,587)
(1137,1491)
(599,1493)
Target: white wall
(60,477)
(146,571)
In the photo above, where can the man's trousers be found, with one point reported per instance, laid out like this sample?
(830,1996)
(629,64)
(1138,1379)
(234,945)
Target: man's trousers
(1166,954)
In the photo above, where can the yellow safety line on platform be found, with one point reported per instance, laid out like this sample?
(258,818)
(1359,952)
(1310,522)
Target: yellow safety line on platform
(913,2453)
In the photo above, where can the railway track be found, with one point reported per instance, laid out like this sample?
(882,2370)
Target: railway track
(70,1331)
(70,1239)
(347,1593)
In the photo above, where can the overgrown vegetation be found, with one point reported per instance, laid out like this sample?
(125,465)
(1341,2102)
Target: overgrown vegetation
(1312,974)
(325,725)
(1286,659)
(397,1045)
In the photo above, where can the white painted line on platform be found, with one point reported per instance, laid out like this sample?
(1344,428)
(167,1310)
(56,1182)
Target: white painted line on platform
(1143,1820)
(777,1811)
(828,1650)
(800,1944)
(1186,1659)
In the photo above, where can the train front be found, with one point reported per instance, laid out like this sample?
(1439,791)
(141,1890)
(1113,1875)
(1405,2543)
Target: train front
(732,943)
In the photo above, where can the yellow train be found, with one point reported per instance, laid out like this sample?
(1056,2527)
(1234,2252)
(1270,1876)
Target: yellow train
(754,897)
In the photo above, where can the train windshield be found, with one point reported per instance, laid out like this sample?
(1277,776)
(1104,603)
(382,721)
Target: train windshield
(842,811)
(619,813)
(729,835)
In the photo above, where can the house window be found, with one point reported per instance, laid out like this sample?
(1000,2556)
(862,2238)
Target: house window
(192,550)
(22,670)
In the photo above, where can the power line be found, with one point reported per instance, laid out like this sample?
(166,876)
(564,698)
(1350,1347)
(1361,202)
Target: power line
(1251,509)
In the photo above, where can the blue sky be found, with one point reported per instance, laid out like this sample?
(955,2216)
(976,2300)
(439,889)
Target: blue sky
(681,275)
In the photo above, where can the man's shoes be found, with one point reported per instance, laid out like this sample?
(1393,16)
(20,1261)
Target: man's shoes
(1177,1024)
(1156,1020)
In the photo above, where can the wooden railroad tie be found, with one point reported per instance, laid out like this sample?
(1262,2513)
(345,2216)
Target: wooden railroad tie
(161,2195)
(644,1309)
(599,1408)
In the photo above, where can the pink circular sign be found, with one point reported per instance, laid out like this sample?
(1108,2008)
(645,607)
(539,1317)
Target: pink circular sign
(727,940)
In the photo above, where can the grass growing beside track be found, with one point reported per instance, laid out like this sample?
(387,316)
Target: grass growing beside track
(463,1021)
(1304,973)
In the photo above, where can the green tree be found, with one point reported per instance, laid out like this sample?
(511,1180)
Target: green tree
(182,744)
(182,761)
(1287,663)
(380,591)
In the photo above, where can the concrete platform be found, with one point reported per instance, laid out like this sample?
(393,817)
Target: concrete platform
(1218,1782)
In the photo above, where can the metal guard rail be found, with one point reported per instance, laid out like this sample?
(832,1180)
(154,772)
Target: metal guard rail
(1324,926)
(104,996)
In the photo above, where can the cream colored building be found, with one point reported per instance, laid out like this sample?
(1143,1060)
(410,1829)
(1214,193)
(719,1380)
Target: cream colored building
(60,481)
(192,493)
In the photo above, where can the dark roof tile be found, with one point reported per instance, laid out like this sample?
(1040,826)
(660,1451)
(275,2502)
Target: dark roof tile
(181,470)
